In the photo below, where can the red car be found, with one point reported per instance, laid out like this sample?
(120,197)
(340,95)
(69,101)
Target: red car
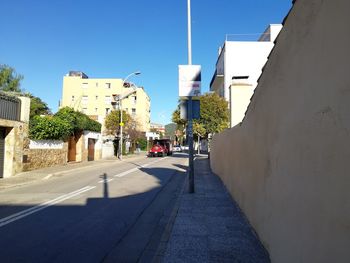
(158,150)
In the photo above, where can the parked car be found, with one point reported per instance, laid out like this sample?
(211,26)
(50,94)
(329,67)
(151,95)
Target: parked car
(177,148)
(157,150)
(184,147)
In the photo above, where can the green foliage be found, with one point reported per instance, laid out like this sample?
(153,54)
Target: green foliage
(214,116)
(63,124)
(142,143)
(79,121)
(49,128)
(37,106)
(9,79)
(8,97)
(113,119)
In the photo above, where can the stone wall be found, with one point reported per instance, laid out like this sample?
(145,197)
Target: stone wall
(40,158)
(287,165)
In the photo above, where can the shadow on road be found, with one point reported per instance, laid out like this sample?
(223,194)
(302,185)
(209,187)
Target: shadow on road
(101,229)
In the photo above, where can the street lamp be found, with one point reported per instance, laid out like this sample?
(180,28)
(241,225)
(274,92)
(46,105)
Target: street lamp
(120,155)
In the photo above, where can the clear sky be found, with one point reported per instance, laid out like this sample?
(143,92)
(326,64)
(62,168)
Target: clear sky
(43,40)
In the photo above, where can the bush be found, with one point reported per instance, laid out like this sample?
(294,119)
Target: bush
(66,122)
(49,128)
(142,143)
(79,121)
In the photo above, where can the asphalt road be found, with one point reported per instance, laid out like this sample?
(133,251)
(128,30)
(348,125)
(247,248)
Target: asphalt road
(108,212)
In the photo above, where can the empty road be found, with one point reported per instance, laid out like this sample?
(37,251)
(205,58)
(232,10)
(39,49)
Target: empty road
(109,212)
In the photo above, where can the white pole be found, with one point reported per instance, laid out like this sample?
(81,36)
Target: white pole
(189,32)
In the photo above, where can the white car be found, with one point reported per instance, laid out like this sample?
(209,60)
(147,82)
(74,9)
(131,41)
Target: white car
(177,148)
(184,147)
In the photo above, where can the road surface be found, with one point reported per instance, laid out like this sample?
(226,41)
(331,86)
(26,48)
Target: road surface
(108,212)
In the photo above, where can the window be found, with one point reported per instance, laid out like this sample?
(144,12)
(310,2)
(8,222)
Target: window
(96,84)
(85,85)
(84,110)
(108,110)
(84,100)
(72,98)
(108,85)
(134,99)
(96,97)
(108,99)
(133,111)
(96,110)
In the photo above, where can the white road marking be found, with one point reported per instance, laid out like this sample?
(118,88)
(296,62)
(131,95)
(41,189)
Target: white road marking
(47,177)
(37,208)
(105,181)
(137,168)
(12,218)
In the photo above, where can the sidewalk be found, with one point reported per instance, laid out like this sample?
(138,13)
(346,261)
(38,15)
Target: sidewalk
(45,173)
(209,226)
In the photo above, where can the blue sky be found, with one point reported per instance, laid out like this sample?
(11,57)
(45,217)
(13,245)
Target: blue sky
(43,40)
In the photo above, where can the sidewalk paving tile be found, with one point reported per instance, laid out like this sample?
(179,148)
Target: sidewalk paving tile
(210,227)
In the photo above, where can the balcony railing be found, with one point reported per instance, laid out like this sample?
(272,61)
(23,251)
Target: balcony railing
(10,108)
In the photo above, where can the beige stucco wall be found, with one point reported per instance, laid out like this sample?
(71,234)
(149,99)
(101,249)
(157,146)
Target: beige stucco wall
(240,94)
(96,91)
(288,165)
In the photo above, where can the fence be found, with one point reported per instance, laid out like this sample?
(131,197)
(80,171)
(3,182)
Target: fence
(10,108)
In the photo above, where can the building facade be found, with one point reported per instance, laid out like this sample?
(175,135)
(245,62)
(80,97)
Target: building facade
(241,62)
(14,123)
(94,97)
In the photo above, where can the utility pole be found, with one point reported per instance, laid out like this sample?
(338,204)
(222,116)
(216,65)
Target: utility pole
(190,113)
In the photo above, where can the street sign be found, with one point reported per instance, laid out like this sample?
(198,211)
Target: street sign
(184,111)
(189,80)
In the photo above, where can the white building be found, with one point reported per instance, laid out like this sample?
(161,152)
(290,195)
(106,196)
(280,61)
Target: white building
(241,61)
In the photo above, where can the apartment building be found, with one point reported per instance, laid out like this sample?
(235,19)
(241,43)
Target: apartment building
(238,68)
(94,97)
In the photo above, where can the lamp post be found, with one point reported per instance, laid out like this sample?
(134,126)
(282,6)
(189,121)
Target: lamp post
(120,155)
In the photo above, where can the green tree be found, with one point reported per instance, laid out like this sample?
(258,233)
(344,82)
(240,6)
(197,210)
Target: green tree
(214,116)
(214,113)
(113,119)
(37,106)
(9,79)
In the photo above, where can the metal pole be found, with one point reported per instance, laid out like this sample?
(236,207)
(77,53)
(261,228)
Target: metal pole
(189,32)
(121,131)
(190,146)
(190,123)
(120,156)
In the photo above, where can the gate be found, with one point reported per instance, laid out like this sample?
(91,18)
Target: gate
(91,149)
(2,150)
(72,150)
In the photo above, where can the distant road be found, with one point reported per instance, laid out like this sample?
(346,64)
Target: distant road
(111,212)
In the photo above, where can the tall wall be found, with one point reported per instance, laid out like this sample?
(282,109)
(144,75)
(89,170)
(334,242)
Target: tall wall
(288,163)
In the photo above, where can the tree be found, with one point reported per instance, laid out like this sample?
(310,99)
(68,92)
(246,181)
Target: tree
(214,113)
(9,79)
(113,119)
(214,116)
(37,106)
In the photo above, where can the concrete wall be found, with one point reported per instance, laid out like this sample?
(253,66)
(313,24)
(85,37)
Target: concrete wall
(288,165)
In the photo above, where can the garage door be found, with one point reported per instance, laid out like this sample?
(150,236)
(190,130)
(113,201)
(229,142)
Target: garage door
(2,151)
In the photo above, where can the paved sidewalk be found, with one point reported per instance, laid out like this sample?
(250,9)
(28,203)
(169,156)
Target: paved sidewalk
(209,226)
(40,174)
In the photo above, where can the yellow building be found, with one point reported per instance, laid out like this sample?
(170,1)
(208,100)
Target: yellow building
(94,97)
